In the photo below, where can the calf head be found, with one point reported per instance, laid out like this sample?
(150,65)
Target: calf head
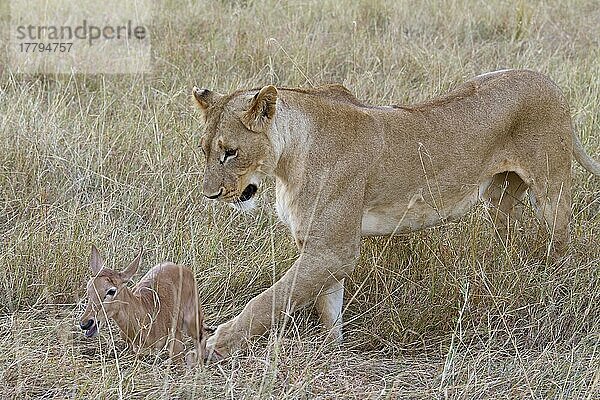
(105,291)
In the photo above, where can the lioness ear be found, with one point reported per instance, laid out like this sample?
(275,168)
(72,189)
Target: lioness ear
(205,98)
(262,109)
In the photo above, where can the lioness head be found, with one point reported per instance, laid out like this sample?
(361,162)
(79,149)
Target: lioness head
(236,143)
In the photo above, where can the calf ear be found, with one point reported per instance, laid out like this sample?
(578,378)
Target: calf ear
(96,261)
(128,273)
(205,98)
(262,109)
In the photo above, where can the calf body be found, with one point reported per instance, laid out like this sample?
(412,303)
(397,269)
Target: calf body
(155,313)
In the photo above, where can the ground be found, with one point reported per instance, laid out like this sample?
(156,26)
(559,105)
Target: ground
(443,313)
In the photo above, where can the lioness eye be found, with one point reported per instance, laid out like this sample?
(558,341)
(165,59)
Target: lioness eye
(111,292)
(229,153)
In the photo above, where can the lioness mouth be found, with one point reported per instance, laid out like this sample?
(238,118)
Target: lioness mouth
(92,330)
(248,193)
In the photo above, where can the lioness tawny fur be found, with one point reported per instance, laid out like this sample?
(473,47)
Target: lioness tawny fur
(344,169)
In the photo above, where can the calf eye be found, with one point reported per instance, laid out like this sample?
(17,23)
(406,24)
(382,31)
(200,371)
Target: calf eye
(111,292)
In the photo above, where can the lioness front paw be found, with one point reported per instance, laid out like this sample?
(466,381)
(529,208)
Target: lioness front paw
(213,352)
(223,342)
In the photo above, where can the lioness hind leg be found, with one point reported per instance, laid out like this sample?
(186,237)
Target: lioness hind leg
(329,307)
(552,204)
(506,193)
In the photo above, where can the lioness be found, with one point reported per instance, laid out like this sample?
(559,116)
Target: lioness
(344,169)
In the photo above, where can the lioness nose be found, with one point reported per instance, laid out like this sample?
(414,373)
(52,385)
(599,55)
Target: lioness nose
(87,325)
(214,196)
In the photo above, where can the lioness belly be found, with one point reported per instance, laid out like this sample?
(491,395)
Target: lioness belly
(417,214)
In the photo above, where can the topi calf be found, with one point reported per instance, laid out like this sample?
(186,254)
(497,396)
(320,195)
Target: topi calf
(153,314)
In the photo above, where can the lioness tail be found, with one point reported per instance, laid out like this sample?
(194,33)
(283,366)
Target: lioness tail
(582,158)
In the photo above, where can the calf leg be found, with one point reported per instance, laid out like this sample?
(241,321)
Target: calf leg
(176,348)
(194,326)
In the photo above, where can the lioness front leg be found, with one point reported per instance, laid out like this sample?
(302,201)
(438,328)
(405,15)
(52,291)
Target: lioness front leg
(299,287)
(329,307)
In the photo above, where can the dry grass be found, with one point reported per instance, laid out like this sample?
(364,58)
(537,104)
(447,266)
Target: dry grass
(444,313)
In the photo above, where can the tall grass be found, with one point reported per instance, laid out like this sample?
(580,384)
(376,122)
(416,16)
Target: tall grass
(447,312)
